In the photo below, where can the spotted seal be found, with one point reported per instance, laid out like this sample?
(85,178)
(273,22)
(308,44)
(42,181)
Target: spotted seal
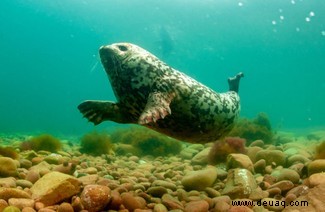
(153,94)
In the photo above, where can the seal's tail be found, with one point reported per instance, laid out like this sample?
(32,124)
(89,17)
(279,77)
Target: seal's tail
(233,82)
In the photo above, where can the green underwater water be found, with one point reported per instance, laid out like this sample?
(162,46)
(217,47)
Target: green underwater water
(49,56)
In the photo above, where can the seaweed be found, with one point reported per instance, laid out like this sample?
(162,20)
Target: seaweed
(42,142)
(256,129)
(320,151)
(95,143)
(146,141)
(222,148)
(9,152)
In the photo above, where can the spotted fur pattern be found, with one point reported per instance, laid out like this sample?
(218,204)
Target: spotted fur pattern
(151,93)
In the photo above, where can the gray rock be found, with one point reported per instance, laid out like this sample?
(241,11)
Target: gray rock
(240,184)
(199,180)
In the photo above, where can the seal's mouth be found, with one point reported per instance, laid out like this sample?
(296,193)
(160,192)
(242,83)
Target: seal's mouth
(109,60)
(106,56)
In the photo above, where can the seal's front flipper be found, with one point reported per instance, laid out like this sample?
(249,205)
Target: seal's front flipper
(157,107)
(234,82)
(99,111)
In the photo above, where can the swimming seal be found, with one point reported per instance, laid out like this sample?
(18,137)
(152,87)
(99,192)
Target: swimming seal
(152,94)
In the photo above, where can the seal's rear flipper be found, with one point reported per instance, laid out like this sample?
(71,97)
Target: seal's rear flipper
(234,82)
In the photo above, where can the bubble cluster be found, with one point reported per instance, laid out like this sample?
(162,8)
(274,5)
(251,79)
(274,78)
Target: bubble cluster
(308,18)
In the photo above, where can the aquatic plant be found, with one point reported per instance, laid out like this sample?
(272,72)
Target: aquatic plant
(256,129)
(320,151)
(9,152)
(95,143)
(146,141)
(42,142)
(222,148)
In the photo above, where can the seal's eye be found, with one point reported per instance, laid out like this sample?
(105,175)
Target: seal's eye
(122,48)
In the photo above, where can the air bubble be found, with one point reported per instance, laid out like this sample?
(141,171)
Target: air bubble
(297,29)
(311,14)
(323,32)
(307,19)
(240,4)
(281,17)
(274,22)
(293,2)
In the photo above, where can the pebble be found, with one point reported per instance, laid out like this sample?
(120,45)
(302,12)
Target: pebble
(116,200)
(65,168)
(171,203)
(24,183)
(316,179)
(160,208)
(76,203)
(48,189)
(157,191)
(24,163)
(316,166)
(130,202)
(53,159)
(252,151)
(29,209)
(21,202)
(239,161)
(95,197)
(239,184)
(273,191)
(32,176)
(65,207)
(283,185)
(297,159)
(165,184)
(222,207)
(259,166)
(199,180)
(7,193)
(11,209)
(258,143)
(3,204)
(272,156)
(8,167)
(185,154)
(197,206)
(201,158)
(42,168)
(212,192)
(8,182)
(299,190)
(286,174)
(89,179)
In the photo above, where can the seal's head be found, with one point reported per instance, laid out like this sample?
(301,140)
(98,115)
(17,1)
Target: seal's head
(132,71)
(123,59)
